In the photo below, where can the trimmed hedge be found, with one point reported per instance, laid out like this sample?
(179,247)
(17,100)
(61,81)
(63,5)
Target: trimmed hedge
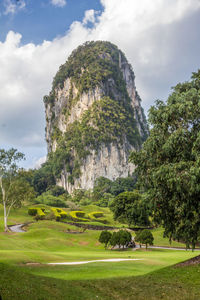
(38,212)
(78,216)
(59,213)
(32,211)
(95,215)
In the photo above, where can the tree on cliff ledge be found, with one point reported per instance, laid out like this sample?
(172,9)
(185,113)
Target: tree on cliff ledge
(169,163)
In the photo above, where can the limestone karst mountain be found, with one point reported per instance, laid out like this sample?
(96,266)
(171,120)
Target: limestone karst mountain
(94,117)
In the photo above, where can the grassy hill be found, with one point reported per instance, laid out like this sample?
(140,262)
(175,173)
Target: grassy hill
(168,283)
(50,241)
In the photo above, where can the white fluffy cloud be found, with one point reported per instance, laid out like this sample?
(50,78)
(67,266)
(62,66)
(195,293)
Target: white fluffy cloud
(59,3)
(160,39)
(11,7)
(39,162)
(89,16)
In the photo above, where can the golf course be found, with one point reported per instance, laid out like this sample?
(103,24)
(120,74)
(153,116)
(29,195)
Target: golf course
(142,274)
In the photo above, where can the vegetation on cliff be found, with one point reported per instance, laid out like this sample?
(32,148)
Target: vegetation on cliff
(108,120)
(90,65)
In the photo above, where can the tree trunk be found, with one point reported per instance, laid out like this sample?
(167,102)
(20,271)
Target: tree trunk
(146,246)
(4,205)
(5,218)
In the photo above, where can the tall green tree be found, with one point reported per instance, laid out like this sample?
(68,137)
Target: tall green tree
(131,208)
(8,172)
(169,162)
(43,178)
(120,238)
(144,237)
(121,185)
(105,237)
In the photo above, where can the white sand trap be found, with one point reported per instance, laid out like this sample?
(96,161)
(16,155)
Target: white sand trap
(91,261)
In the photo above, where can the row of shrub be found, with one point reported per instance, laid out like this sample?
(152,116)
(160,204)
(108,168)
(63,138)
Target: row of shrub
(78,216)
(38,212)
(59,214)
(97,216)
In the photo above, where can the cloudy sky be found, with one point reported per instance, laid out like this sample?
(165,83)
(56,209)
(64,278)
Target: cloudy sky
(160,38)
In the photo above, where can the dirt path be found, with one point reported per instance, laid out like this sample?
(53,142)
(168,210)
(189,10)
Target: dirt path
(92,261)
(17,228)
(166,248)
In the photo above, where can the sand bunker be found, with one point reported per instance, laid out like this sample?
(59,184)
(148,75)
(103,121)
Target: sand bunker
(92,261)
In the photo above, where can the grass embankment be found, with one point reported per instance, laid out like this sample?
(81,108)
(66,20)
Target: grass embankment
(50,241)
(168,283)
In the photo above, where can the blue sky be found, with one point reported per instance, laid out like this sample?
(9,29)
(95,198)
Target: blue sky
(160,38)
(43,20)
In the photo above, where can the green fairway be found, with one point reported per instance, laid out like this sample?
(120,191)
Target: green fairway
(148,261)
(49,241)
(168,283)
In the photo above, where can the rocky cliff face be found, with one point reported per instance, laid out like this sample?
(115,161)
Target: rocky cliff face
(94,117)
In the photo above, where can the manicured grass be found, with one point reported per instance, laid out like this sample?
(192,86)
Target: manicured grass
(159,240)
(148,261)
(108,215)
(49,241)
(168,283)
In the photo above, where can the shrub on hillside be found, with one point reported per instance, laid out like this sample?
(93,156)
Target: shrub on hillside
(71,205)
(57,191)
(95,214)
(50,200)
(78,216)
(97,217)
(59,213)
(32,211)
(38,212)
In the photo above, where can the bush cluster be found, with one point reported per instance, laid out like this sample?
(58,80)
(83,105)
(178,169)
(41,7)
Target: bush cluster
(97,216)
(78,216)
(48,199)
(59,213)
(119,238)
(38,212)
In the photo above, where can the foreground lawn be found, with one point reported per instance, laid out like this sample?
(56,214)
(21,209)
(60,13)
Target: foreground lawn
(148,261)
(168,283)
(159,240)
(25,274)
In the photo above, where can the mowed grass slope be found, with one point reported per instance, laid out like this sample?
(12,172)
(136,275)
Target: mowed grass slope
(50,241)
(168,283)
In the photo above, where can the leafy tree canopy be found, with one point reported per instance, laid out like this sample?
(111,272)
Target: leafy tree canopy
(13,188)
(43,178)
(120,238)
(104,185)
(105,237)
(169,163)
(131,207)
(144,237)
(121,185)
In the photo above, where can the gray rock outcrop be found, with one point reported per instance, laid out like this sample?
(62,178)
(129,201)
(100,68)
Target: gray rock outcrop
(70,100)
